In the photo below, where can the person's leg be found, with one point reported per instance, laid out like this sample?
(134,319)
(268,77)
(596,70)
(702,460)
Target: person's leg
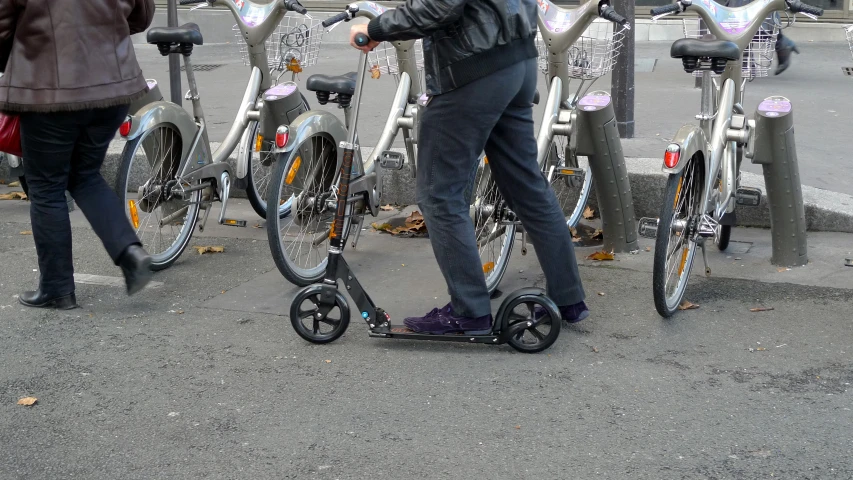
(454,129)
(512,150)
(93,195)
(784,47)
(48,144)
(98,201)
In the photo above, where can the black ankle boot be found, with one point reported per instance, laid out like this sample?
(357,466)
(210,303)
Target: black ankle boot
(135,263)
(784,47)
(39,299)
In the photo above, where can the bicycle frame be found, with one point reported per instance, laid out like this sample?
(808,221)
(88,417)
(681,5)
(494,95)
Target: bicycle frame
(716,137)
(560,29)
(402,116)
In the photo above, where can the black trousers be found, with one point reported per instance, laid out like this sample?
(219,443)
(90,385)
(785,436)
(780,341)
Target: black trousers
(65,151)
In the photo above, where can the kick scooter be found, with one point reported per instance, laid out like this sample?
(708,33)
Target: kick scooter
(527,319)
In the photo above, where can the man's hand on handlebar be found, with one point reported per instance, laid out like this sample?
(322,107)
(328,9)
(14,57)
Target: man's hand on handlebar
(361,28)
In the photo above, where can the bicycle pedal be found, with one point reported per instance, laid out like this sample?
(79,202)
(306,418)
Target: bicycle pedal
(233,223)
(391,160)
(750,197)
(648,227)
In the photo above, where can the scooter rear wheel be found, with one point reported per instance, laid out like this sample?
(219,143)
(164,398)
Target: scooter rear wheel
(315,322)
(541,316)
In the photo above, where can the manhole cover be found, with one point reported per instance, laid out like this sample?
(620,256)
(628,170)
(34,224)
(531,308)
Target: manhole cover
(847,71)
(203,67)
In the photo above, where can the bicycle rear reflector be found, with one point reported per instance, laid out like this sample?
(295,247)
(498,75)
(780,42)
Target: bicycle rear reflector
(673,153)
(124,129)
(281,136)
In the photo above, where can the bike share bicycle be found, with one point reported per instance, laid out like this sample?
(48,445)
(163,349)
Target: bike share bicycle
(703,162)
(320,313)
(574,45)
(168,172)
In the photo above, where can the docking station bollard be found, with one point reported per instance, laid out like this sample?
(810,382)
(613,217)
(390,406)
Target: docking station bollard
(598,139)
(775,151)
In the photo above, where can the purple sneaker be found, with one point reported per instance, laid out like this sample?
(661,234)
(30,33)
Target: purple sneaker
(441,321)
(570,313)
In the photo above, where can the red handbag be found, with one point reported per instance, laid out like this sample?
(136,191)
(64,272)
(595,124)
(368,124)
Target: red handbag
(10,135)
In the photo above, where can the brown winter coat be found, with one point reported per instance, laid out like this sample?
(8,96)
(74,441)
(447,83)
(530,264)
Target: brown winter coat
(66,55)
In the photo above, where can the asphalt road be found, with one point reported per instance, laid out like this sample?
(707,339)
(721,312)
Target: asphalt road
(203,377)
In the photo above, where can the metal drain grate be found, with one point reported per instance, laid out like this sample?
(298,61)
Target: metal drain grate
(847,71)
(202,67)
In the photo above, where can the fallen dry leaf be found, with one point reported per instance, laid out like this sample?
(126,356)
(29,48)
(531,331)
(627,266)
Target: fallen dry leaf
(588,213)
(601,294)
(384,227)
(328,361)
(375,73)
(27,232)
(14,196)
(782,269)
(386,208)
(518,427)
(208,249)
(2,182)
(598,234)
(14,184)
(258,225)
(761,349)
(648,249)
(595,349)
(601,256)
(27,401)
(761,309)
(685,305)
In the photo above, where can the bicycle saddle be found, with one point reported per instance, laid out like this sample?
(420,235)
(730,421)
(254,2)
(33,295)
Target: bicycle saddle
(186,33)
(341,84)
(704,48)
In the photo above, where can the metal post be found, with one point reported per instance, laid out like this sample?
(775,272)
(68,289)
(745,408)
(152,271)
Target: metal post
(598,139)
(776,153)
(174,59)
(622,81)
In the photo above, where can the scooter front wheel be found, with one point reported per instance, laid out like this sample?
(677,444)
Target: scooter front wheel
(317,322)
(531,320)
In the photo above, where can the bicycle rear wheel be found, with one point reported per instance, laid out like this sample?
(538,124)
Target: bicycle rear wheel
(675,245)
(301,191)
(261,167)
(494,226)
(571,180)
(164,222)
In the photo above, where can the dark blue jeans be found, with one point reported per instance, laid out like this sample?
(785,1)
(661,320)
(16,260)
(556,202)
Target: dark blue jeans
(495,114)
(64,151)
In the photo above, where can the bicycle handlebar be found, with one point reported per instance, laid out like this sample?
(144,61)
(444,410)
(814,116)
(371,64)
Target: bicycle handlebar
(797,6)
(361,39)
(295,6)
(336,19)
(609,13)
(663,10)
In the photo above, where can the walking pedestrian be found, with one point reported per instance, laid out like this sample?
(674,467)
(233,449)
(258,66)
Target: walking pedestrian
(70,75)
(481,69)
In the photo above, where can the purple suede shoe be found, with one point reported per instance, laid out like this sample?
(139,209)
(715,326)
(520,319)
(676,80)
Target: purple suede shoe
(441,321)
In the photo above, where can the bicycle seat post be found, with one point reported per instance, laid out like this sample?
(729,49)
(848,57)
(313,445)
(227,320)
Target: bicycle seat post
(355,103)
(192,94)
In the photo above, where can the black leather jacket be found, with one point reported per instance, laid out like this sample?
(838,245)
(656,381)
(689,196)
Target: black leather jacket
(463,39)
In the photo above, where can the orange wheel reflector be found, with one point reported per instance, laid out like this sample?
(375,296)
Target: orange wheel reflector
(683,261)
(677,193)
(134,215)
(258,142)
(293,169)
(488,267)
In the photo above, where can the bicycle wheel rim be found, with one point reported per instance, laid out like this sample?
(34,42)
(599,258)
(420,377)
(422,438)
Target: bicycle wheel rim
(308,174)
(681,249)
(572,193)
(260,169)
(495,235)
(156,157)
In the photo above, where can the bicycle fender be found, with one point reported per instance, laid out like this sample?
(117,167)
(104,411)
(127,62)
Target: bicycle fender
(164,112)
(690,139)
(311,123)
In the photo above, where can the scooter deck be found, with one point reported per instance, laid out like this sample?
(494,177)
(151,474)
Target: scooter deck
(404,333)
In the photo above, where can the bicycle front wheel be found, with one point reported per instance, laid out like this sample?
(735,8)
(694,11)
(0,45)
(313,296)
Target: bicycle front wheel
(163,220)
(571,180)
(300,209)
(494,226)
(675,245)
